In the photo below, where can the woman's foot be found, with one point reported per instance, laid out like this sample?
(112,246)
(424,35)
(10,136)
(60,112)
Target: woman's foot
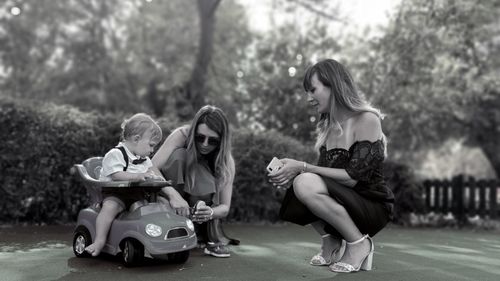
(358,255)
(217,250)
(331,251)
(95,248)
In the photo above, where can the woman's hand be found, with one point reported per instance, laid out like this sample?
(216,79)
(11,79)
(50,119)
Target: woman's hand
(288,172)
(203,214)
(180,205)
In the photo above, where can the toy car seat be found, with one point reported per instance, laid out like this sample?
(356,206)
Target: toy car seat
(89,172)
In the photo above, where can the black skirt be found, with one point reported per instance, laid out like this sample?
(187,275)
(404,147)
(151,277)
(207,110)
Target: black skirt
(369,216)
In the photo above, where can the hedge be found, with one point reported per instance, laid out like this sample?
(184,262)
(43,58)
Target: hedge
(42,141)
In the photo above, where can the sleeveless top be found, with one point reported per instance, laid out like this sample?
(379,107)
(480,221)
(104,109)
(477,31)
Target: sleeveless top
(204,181)
(363,161)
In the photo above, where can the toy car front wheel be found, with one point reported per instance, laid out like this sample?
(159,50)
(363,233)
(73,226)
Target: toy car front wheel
(81,240)
(132,252)
(179,257)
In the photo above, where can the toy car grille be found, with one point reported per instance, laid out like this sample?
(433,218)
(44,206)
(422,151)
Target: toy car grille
(176,232)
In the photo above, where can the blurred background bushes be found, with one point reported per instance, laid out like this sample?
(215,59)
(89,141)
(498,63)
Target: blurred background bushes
(43,141)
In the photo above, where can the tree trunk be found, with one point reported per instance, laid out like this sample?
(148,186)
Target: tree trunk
(194,93)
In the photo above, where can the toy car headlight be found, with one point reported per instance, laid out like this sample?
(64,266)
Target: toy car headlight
(190,225)
(153,230)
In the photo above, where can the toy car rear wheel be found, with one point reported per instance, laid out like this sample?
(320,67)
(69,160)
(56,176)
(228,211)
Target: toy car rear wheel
(132,252)
(179,257)
(81,240)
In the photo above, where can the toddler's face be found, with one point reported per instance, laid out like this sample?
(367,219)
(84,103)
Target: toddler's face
(145,145)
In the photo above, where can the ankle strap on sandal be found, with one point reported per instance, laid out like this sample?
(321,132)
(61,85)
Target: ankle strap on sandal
(359,240)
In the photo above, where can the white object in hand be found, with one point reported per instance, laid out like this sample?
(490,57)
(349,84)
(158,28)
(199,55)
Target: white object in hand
(274,165)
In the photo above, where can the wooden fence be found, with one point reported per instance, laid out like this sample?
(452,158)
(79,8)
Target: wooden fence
(463,197)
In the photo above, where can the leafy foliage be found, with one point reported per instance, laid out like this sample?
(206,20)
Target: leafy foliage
(408,192)
(254,198)
(42,143)
(272,93)
(435,71)
(119,56)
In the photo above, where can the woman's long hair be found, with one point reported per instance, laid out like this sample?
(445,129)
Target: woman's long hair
(220,160)
(344,94)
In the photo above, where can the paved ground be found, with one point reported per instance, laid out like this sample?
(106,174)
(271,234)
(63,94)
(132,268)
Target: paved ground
(266,253)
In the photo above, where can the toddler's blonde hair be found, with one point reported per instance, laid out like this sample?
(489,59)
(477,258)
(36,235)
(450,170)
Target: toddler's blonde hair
(138,124)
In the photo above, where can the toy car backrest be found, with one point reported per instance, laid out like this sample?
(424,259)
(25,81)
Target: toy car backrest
(89,172)
(93,166)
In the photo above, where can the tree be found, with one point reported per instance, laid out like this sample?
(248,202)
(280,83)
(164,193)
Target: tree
(232,39)
(193,95)
(435,73)
(271,80)
(159,50)
(65,52)
(123,55)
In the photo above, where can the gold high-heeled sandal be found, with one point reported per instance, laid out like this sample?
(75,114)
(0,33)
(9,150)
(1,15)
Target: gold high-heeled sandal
(336,254)
(365,264)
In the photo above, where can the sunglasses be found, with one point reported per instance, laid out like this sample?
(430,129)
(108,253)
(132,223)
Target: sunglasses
(213,141)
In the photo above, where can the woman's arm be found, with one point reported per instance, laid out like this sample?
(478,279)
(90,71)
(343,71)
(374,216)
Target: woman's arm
(293,167)
(339,175)
(366,127)
(222,210)
(175,140)
(226,192)
(206,213)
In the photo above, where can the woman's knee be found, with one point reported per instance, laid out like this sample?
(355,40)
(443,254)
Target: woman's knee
(306,185)
(311,187)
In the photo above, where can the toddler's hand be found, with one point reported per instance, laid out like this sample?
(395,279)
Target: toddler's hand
(143,176)
(139,177)
(150,176)
(158,178)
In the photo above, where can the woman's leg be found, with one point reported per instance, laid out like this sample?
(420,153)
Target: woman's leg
(330,246)
(104,219)
(311,190)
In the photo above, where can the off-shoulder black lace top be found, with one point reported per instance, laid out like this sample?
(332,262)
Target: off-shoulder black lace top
(364,163)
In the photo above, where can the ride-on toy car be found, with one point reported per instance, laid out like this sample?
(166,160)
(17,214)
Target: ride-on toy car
(148,228)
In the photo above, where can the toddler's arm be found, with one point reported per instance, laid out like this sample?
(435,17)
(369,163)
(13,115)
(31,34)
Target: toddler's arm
(155,174)
(126,176)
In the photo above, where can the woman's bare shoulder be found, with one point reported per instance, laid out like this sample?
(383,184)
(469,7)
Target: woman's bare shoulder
(367,126)
(184,130)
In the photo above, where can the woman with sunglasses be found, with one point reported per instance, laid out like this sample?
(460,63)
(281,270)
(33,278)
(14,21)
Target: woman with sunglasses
(197,159)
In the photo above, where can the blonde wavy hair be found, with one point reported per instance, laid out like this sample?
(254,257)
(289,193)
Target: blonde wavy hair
(220,160)
(344,94)
(138,124)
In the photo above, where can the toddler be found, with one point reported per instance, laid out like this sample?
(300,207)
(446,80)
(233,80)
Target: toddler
(128,161)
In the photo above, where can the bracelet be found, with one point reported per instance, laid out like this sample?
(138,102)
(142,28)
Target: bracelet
(211,213)
(304,167)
